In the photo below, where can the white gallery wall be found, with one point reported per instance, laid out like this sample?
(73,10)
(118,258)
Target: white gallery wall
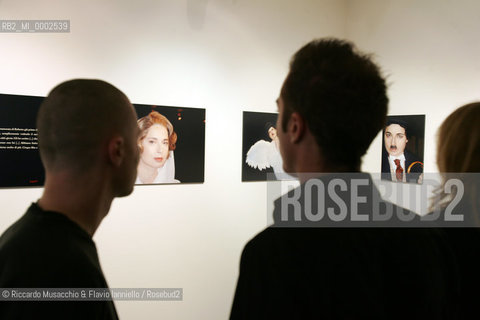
(226,56)
(223,55)
(430,51)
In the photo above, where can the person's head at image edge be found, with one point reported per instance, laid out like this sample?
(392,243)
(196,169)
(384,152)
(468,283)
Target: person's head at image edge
(458,152)
(332,104)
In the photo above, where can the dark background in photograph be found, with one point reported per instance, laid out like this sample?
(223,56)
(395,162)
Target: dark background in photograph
(415,134)
(189,124)
(23,168)
(20,168)
(254,130)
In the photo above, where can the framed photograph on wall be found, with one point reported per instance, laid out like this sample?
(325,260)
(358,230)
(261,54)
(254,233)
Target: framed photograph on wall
(20,164)
(260,148)
(403,142)
(184,161)
(172,144)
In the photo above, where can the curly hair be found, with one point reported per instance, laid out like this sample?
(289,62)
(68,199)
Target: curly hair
(341,94)
(148,121)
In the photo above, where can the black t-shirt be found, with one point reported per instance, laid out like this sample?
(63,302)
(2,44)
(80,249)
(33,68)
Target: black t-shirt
(315,270)
(45,249)
(330,273)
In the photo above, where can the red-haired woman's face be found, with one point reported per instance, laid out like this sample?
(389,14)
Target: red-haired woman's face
(155,146)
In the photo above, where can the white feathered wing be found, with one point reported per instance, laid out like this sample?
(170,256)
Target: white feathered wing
(258,155)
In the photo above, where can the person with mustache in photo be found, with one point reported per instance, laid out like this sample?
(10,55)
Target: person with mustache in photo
(399,164)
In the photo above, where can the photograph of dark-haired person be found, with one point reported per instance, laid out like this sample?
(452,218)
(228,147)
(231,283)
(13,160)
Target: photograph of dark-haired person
(261,159)
(264,154)
(400,164)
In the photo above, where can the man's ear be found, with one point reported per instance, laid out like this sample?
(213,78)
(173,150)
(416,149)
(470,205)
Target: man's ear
(296,127)
(116,150)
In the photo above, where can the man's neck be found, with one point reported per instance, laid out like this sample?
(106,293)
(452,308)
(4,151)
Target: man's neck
(82,198)
(310,164)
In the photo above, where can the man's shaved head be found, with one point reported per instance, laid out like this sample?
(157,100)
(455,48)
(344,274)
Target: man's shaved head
(77,118)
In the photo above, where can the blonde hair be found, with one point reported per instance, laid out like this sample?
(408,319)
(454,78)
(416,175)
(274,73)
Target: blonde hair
(458,151)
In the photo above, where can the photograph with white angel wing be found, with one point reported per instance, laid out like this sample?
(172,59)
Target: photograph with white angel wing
(261,148)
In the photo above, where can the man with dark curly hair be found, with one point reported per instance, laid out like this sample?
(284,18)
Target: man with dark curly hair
(327,256)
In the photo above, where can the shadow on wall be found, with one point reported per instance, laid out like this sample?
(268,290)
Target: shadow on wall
(196,11)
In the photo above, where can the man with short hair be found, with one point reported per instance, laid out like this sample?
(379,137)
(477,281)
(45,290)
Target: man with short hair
(397,163)
(322,258)
(87,132)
